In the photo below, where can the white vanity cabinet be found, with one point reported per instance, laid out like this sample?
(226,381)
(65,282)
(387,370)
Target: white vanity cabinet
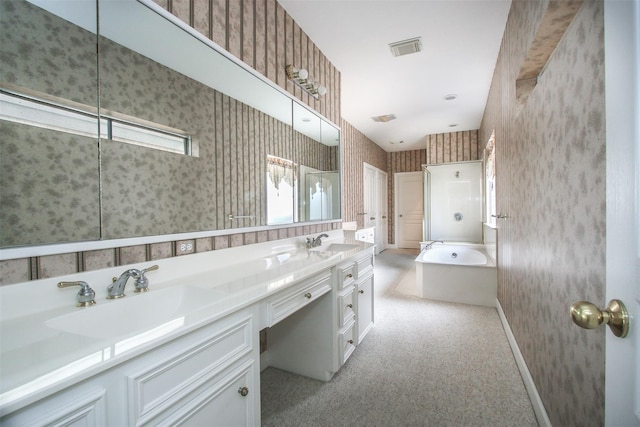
(302,342)
(354,286)
(197,366)
(315,341)
(207,377)
(364,291)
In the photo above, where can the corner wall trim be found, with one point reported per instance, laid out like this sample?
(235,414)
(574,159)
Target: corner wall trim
(532,391)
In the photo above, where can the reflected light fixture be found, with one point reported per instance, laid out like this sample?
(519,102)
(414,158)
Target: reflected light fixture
(300,77)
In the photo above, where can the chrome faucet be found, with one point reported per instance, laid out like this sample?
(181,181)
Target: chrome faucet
(116,289)
(315,242)
(430,243)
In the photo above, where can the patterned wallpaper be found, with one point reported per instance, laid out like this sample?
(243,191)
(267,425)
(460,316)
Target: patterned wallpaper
(356,149)
(551,182)
(453,147)
(47,196)
(265,37)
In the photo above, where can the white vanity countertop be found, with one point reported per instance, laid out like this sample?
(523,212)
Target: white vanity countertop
(47,344)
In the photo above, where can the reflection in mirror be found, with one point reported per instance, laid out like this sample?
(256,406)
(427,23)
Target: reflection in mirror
(155,71)
(182,132)
(280,190)
(49,170)
(316,143)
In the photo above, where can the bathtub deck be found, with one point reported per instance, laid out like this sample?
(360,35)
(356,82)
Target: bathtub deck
(477,285)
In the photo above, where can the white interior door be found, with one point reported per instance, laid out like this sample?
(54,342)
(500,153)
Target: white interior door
(370,208)
(409,205)
(622,65)
(382,222)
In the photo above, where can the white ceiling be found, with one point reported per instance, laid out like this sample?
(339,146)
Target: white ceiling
(460,40)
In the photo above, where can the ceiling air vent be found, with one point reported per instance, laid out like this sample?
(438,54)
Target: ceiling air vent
(405,47)
(383,119)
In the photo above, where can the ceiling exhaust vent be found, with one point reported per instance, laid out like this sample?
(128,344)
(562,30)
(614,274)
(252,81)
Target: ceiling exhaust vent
(406,47)
(384,119)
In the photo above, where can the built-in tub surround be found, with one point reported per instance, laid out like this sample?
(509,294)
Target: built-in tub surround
(490,238)
(461,273)
(48,343)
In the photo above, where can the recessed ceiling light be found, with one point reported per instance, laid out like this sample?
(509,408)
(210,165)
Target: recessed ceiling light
(450,97)
(384,119)
(453,125)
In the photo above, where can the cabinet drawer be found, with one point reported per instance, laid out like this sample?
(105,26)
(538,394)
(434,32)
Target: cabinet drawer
(347,339)
(166,381)
(345,308)
(364,265)
(290,301)
(346,275)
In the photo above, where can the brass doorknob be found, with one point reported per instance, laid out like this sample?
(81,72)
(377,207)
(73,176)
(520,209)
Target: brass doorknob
(588,316)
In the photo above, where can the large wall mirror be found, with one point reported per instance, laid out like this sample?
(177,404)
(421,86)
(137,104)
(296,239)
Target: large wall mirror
(159,134)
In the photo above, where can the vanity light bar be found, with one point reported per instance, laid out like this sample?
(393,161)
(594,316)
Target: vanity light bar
(301,78)
(31,111)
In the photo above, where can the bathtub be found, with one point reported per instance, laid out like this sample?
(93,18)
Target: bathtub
(461,273)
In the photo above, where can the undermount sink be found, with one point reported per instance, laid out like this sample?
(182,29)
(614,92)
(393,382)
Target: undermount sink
(335,247)
(134,313)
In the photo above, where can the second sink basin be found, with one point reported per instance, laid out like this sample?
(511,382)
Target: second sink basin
(335,247)
(134,313)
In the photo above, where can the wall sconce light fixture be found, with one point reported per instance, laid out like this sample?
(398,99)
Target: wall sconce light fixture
(300,77)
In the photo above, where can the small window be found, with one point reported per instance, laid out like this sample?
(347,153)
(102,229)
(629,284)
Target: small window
(49,115)
(280,190)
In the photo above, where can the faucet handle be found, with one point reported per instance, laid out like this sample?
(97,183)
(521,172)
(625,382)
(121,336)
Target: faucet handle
(142,283)
(85,297)
(152,268)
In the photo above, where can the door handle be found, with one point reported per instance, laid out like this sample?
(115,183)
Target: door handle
(372,218)
(500,216)
(384,217)
(400,215)
(588,316)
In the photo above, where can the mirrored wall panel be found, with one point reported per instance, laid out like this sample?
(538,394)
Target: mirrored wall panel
(181,138)
(49,170)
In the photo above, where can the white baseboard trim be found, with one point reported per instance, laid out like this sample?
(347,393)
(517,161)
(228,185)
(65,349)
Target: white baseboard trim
(532,391)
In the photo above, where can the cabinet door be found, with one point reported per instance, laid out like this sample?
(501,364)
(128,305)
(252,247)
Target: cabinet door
(84,407)
(231,401)
(364,289)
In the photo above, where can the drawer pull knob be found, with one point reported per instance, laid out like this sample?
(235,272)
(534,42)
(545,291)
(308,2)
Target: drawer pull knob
(350,341)
(361,291)
(307,295)
(243,391)
(350,305)
(350,275)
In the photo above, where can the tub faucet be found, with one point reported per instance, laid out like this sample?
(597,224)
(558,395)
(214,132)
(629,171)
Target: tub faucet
(430,243)
(116,289)
(315,242)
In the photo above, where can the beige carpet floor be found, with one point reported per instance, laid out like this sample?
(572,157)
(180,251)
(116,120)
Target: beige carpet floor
(425,363)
